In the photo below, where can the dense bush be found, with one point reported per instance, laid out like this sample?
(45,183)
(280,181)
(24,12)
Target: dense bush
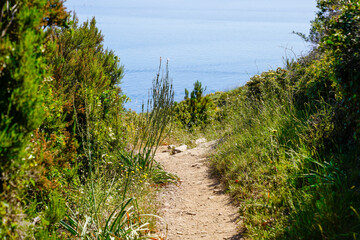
(86,81)
(196,110)
(22,70)
(268,84)
(337,26)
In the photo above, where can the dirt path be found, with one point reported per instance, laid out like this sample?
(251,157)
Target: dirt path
(197,208)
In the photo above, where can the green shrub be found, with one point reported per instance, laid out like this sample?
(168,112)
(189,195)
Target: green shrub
(22,70)
(337,26)
(313,81)
(196,110)
(264,86)
(85,82)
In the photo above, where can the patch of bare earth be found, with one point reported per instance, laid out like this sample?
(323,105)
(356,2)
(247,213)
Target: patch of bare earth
(197,207)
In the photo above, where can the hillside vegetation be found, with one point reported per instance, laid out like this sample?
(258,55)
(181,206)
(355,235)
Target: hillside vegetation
(289,148)
(74,164)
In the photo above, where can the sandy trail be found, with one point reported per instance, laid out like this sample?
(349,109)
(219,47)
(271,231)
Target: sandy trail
(197,208)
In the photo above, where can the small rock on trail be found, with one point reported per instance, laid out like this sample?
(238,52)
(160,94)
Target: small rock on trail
(196,208)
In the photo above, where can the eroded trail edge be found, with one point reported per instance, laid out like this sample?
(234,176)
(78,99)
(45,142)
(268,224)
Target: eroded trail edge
(197,208)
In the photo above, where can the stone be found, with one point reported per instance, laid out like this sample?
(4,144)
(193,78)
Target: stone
(210,144)
(181,148)
(200,140)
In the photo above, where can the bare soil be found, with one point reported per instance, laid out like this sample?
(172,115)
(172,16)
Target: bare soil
(197,207)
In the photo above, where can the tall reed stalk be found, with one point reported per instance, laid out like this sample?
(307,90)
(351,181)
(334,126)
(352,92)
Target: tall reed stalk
(153,123)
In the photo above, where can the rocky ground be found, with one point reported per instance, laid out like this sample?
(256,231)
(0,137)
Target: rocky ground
(197,207)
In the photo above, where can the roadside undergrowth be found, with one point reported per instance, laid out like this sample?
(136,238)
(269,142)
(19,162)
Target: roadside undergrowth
(118,198)
(289,139)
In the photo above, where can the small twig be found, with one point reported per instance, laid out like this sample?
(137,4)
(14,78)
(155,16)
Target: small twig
(14,9)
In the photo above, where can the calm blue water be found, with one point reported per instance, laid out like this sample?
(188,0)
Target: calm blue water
(221,43)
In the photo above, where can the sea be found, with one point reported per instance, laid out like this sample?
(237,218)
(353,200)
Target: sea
(221,43)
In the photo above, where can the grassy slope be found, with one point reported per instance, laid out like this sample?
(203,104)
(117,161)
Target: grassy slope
(280,161)
(288,153)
